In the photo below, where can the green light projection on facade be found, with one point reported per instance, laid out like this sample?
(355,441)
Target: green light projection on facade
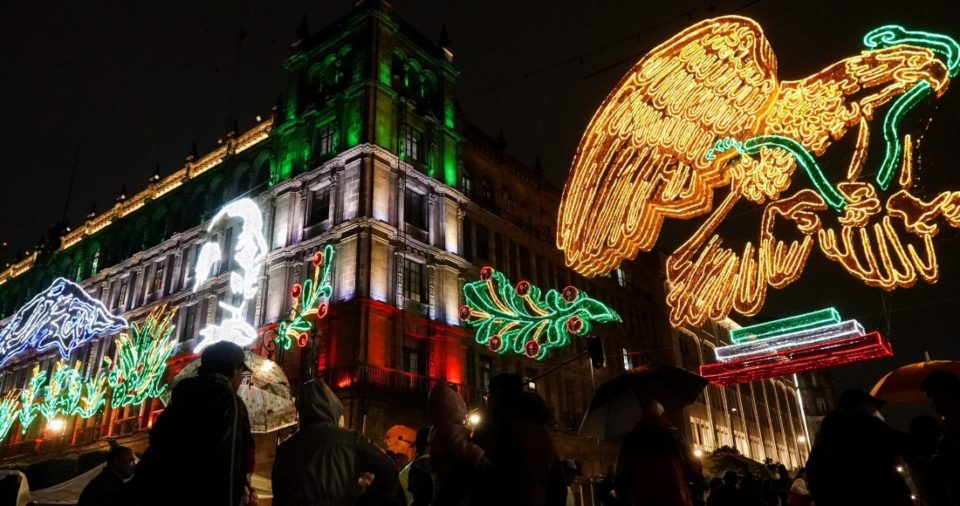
(522,320)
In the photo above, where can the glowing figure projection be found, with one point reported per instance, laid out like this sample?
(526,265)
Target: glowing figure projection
(248,255)
(706,110)
(63,316)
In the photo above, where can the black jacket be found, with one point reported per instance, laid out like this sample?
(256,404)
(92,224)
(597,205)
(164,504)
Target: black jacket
(853,461)
(321,464)
(525,468)
(106,489)
(201,449)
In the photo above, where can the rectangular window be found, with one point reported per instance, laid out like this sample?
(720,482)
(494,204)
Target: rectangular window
(189,323)
(226,262)
(326,139)
(415,209)
(514,261)
(413,281)
(501,253)
(122,294)
(411,359)
(482,235)
(95,263)
(619,276)
(319,206)
(468,239)
(412,144)
(526,271)
(158,271)
(486,371)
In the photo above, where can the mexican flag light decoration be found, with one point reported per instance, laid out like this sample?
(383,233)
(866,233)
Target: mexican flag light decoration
(524,320)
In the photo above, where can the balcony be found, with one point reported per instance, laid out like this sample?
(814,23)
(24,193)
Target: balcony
(367,379)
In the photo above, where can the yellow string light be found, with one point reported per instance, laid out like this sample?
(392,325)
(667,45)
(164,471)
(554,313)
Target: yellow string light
(679,125)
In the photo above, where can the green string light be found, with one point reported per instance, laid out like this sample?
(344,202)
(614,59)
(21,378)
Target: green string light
(141,360)
(523,320)
(786,325)
(307,301)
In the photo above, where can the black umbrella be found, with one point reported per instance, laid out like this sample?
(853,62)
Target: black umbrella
(617,404)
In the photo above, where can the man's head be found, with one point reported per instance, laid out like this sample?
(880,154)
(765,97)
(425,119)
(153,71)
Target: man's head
(224,358)
(943,390)
(730,478)
(651,408)
(121,460)
(856,400)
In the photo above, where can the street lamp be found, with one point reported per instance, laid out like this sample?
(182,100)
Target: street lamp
(698,453)
(56,425)
(473,419)
(801,439)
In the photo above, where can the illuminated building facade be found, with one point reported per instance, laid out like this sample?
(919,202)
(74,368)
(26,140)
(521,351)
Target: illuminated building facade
(366,152)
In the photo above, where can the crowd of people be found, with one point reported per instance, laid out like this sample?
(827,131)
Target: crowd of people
(202,452)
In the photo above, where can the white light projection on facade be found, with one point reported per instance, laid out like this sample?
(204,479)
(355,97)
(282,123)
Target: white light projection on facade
(248,255)
(63,316)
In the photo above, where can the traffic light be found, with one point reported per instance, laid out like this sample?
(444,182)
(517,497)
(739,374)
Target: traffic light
(595,349)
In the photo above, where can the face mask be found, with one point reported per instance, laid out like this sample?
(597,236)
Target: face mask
(879,416)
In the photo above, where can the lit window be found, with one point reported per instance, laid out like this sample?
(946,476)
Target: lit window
(122,293)
(326,139)
(466,182)
(95,262)
(413,281)
(412,144)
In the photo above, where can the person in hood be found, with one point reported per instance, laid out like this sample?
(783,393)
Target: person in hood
(943,390)
(109,488)
(322,463)
(454,459)
(655,465)
(201,450)
(855,455)
(524,465)
(419,484)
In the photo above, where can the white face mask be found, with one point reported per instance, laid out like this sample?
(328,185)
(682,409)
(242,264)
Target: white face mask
(879,416)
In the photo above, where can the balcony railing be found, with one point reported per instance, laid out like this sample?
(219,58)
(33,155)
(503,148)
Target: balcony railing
(394,380)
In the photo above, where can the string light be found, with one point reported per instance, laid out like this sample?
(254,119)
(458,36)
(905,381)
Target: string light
(788,340)
(523,320)
(307,301)
(63,316)
(248,254)
(797,360)
(141,360)
(705,110)
(784,325)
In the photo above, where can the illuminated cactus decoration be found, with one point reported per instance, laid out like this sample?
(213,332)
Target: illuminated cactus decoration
(9,411)
(309,299)
(96,396)
(62,393)
(141,360)
(525,321)
(29,407)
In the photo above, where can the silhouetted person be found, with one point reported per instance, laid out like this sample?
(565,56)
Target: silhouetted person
(727,493)
(322,463)
(201,451)
(607,489)
(417,478)
(854,457)
(524,465)
(454,459)
(750,493)
(110,488)
(770,486)
(799,491)
(925,432)
(943,390)
(655,465)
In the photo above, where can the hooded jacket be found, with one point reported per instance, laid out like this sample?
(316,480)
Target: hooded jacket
(525,467)
(201,449)
(321,464)
(453,457)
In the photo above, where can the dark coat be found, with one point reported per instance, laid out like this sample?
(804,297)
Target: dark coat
(853,461)
(201,450)
(106,489)
(454,459)
(321,464)
(524,465)
(655,466)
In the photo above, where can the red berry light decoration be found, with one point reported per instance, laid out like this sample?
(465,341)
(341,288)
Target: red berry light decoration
(310,302)
(523,319)
(296,290)
(317,259)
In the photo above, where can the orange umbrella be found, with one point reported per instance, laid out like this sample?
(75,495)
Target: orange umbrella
(903,384)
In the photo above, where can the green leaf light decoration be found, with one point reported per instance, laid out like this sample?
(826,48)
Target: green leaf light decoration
(141,360)
(309,299)
(29,407)
(523,320)
(9,411)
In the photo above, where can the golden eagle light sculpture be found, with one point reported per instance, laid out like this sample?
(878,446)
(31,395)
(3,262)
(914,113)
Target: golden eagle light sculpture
(704,111)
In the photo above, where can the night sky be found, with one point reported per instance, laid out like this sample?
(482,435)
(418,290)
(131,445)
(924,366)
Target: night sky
(121,87)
